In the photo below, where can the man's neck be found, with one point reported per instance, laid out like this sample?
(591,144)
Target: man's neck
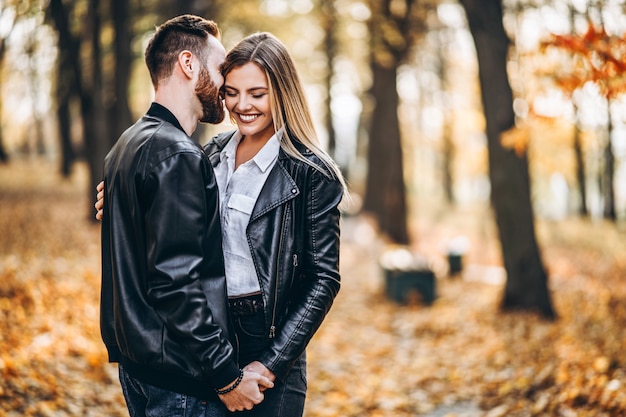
(179,106)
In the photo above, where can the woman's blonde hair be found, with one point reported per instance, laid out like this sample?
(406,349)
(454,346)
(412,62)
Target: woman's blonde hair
(290,110)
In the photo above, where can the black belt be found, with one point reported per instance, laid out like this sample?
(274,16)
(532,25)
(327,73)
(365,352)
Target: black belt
(245,306)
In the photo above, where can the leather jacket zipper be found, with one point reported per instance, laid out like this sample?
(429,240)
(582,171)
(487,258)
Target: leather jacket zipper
(280,249)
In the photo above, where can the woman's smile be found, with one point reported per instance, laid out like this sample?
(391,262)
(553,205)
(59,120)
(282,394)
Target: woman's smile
(247,118)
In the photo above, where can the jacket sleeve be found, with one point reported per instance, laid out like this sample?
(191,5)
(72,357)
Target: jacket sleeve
(319,278)
(181,230)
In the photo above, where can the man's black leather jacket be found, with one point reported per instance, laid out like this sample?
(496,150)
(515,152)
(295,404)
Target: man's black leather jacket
(164,312)
(293,235)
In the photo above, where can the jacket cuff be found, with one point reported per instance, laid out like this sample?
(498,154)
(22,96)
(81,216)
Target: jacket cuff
(280,369)
(225,375)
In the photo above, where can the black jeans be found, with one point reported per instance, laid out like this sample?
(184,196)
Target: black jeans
(145,400)
(287,397)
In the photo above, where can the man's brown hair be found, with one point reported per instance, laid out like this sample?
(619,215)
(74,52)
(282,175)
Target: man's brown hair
(185,32)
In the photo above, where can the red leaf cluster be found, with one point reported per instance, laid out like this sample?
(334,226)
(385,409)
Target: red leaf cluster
(604,56)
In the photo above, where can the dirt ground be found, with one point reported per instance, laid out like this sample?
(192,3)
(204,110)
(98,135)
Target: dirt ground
(372,357)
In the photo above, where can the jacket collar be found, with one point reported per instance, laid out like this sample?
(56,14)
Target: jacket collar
(161,112)
(279,187)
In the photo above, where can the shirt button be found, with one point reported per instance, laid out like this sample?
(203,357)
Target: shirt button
(293,191)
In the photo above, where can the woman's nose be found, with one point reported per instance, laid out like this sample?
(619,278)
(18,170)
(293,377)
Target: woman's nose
(244,102)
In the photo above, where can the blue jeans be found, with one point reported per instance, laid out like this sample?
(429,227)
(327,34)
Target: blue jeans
(145,400)
(287,397)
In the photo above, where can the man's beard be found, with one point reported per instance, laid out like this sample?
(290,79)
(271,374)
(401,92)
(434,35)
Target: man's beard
(209,96)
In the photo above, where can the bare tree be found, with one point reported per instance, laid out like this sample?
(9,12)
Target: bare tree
(4,157)
(68,78)
(329,23)
(527,282)
(97,136)
(394,26)
(581,180)
(119,107)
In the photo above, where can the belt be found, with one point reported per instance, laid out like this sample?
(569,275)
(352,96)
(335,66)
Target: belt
(245,306)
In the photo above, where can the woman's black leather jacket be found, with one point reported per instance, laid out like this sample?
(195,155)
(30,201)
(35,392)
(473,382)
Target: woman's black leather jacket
(164,312)
(293,235)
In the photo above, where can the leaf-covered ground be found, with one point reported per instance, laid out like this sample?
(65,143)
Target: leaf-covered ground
(372,357)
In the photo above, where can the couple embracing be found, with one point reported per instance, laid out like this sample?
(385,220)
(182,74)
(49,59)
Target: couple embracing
(218,264)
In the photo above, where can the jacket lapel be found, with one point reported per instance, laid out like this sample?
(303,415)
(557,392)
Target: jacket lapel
(279,188)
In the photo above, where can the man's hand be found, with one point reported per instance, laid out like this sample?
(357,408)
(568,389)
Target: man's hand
(248,393)
(260,369)
(100,200)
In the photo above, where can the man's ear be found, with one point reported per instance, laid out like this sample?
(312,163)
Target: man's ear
(186,64)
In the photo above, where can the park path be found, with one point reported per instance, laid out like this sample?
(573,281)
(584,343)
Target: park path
(373,357)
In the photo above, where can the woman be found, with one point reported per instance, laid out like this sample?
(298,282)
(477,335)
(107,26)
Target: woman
(279,197)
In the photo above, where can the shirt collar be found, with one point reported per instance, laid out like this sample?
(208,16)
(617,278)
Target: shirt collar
(263,159)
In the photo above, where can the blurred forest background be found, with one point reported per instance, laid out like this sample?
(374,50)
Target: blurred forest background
(486,132)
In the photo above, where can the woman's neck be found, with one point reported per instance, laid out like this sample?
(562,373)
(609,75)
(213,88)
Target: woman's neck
(248,147)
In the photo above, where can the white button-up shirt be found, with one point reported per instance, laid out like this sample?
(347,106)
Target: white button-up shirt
(239,191)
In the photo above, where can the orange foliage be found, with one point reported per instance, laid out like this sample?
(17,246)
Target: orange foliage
(604,56)
(370,358)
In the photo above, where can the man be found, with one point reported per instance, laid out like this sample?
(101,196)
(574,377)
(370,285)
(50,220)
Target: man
(164,313)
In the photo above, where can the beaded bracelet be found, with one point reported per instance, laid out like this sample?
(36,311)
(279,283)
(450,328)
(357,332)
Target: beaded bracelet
(232,387)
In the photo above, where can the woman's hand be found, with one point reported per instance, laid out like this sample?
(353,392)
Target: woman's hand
(260,369)
(100,200)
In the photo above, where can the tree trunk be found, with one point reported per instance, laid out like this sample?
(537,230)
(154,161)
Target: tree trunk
(329,23)
(96,134)
(64,96)
(69,79)
(119,108)
(581,181)
(527,282)
(385,194)
(385,191)
(36,131)
(448,159)
(67,151)
(580,171)
(447,129)
(92,109)
(609,172)
(4,157)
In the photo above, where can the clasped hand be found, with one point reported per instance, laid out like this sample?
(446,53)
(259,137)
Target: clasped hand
(250,390)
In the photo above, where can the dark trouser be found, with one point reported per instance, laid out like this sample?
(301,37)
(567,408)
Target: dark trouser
(145,400)
(287,397)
